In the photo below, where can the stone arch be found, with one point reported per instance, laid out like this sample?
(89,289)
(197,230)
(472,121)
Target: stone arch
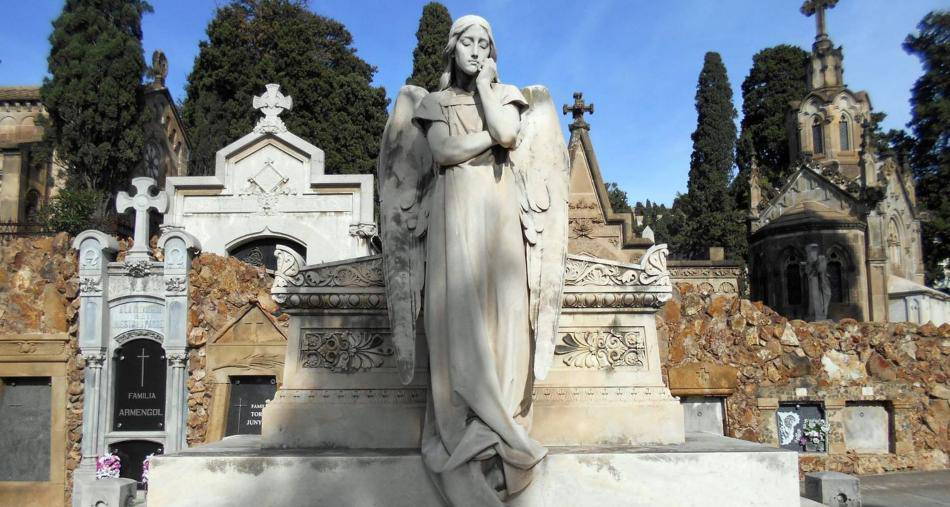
(7,123)
(258,249)
(28,121)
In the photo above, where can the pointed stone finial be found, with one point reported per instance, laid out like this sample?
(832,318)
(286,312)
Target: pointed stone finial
(648,234)
(272,103)
(577,110)
(818,7)
(141,202)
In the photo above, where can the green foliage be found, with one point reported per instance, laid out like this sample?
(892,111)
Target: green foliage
(777,77)
(94,94)
(617,197)
(657,217)
(712,218)
(255,42)
(427,64)
(930,122)
(75,209)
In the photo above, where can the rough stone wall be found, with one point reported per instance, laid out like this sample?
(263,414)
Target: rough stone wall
(38,294)
(221,289)
(771,352)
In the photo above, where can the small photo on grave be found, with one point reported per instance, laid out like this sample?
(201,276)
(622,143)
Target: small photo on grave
(132,455)
(25,410)
(802,427)
(248,396)
(139,387)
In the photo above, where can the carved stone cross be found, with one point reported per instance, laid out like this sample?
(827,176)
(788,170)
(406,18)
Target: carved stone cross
(141,202)
(272,103)
(817,7)
(577,110)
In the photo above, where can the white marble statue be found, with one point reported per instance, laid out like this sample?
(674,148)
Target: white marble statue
(474,187)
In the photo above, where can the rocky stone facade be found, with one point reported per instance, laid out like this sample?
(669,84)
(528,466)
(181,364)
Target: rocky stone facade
(756,359)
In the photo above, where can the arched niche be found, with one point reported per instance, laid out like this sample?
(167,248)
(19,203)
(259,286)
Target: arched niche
(259,250)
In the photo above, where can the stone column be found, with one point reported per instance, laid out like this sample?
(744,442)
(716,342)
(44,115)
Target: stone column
(876,269)
(96,249)
(179,247)
(834,414)
(768,428)
(904,412)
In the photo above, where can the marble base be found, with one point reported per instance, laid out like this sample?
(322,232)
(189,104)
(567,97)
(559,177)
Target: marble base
(705,470)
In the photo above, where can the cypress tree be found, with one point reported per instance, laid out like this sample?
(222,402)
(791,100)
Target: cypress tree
(930,122)
(255,42)
(777,77)
(427,64)
(94,96)
(617,198)
(712,219)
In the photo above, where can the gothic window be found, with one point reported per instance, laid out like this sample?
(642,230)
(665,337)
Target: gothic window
(818,144)
(791,262)
(844,131)
(836,263)
(260,252)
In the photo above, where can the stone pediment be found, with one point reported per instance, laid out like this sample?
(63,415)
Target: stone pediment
(359,283)
(809,196)
(253,327)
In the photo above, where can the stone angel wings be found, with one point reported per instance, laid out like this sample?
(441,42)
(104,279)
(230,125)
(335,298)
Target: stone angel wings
(406,173)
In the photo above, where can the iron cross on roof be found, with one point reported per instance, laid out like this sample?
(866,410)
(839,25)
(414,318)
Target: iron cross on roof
(818,7)
(141,202)
(577,110)
(272,103)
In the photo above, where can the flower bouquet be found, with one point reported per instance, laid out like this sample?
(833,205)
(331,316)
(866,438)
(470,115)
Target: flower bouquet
(146,466)
(107,466)
(814,435)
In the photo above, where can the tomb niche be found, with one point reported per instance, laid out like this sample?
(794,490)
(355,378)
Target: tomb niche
(33,399)
(245,364)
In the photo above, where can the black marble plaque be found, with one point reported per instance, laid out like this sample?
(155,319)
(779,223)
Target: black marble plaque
(24,429)
(139,387)
(248,395)
(132,454)
(790,419)
(260,252)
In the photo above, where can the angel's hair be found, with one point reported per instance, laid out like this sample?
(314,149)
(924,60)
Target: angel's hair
(455,33)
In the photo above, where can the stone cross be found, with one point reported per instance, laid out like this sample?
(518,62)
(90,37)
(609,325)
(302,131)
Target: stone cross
(240,406)
(272,103)
(577,110)
(141,202)
(817,7)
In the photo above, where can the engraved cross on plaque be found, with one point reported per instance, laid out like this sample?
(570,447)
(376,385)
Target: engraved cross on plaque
(143,356)
(577,110)
(272,103)
(141,202)
(817,7)
(240,405)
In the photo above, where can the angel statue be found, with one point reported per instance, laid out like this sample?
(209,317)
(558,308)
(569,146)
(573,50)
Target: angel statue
(473,188)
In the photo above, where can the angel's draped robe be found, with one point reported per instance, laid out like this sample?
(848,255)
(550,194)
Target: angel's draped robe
(476,312)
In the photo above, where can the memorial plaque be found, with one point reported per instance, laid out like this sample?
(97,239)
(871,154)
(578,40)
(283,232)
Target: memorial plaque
(867,427)
(132,454)
(791,419)
(139,387)
(248,396)
(25,407)
(703,413)
(137,315)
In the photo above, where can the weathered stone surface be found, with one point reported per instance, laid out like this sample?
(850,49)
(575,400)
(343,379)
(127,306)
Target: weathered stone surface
(880,367)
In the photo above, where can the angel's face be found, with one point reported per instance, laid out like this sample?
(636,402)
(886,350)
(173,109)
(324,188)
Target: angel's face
(472,49)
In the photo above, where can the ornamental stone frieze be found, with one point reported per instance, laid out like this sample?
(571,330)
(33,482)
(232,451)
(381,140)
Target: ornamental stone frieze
(358,284)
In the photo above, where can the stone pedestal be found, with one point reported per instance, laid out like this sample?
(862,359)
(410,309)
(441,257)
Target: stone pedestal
(705,470)
(109,492)
(342,388)
(833,488)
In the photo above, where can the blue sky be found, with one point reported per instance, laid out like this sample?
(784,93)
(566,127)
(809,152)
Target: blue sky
(637,61)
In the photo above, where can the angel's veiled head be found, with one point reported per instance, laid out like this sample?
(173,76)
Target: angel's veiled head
(470,43)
